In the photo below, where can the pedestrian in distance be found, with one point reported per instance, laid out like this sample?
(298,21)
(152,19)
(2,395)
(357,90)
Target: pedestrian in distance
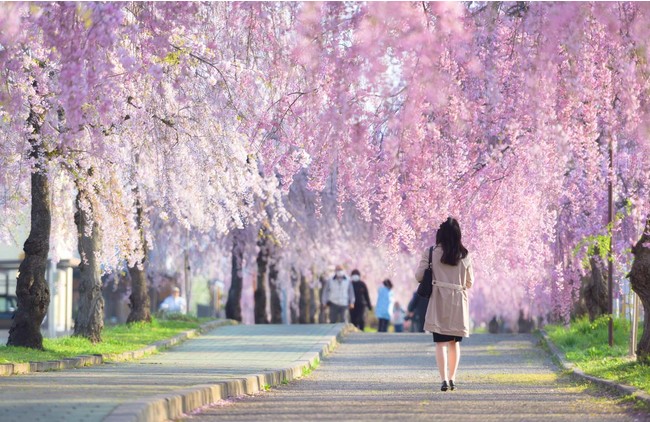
(361,301)
(174,304)
(416,312)
(338,296)
(384,305)
(399,315)
(447,314)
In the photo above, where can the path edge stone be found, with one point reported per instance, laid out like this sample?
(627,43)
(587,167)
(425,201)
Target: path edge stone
(621,389)
(81,361)
(176,404)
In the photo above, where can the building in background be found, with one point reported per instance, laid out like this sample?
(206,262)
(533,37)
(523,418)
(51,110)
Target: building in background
(61,280)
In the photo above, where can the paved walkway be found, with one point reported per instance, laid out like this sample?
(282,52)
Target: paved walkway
(374,377)
(90,394)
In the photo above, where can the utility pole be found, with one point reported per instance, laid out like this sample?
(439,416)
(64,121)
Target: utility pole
(188,283)
(610,278)
(186,271)
(634,313)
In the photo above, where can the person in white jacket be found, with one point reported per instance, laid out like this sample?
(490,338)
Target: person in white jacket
(174,304)
(338,295)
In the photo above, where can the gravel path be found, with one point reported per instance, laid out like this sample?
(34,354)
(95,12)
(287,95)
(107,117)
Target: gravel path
(393,376)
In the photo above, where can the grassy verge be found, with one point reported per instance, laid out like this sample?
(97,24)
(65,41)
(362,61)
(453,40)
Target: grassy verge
(116,339)
(480,330)
(585,344)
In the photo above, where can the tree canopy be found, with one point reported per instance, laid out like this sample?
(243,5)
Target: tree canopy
(361,126)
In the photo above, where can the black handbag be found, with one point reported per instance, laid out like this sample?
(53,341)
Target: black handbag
(426,285)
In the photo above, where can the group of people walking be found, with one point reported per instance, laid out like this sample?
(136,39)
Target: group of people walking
(445,313)
(342,294)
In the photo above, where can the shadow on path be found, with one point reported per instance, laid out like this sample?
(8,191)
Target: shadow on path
(393,376)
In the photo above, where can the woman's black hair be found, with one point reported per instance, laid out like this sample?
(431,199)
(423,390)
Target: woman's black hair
(449,237)
(388,283)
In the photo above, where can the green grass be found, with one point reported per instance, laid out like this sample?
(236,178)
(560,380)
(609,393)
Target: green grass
(307,370)
(492,350)
(480,330)
(523,378)
(585,344)
(116,339)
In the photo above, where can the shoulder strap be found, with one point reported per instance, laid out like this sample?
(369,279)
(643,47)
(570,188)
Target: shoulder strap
(430,263)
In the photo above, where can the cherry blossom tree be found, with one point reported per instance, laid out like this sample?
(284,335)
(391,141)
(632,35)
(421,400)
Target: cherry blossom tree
(93,126)
(357,126)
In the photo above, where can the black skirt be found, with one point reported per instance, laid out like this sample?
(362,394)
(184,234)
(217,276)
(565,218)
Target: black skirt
(443,338)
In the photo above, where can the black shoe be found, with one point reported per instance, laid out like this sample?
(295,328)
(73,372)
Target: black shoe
(444,386)
(452,386)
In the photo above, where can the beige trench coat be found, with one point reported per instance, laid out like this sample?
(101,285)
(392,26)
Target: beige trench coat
(448,310)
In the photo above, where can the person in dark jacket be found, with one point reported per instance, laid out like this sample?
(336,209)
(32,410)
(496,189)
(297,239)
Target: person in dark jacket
(361,301)
(417,310)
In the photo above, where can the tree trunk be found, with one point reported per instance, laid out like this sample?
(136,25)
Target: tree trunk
(274,286)
(90,317)
(140,305)
(578,298)
(32,291)
(323,315)
(640,281)
(595,293)
(294,306)
(305,301)
(314,293)
(260,289)
(233,304)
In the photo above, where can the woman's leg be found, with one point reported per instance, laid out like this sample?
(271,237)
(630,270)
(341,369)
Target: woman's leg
(441,359)
(454,359)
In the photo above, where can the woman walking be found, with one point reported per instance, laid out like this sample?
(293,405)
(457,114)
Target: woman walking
(447,314)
